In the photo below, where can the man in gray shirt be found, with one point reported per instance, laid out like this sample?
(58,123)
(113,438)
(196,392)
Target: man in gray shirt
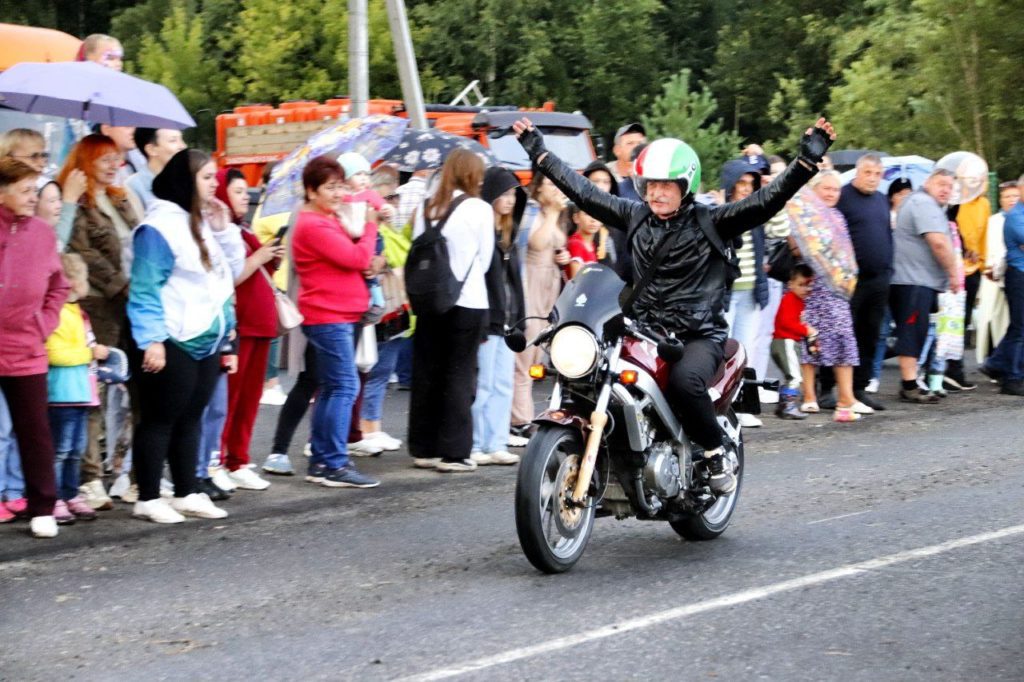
(923,266)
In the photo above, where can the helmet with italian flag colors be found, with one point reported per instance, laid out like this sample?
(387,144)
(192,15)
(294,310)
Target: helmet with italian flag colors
(667,159)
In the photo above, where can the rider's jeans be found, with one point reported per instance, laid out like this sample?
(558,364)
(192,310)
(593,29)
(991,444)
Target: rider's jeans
(688,391)
(492,408)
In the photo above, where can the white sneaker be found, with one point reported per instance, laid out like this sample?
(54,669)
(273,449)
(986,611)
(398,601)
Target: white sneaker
(515,441)
(308,449)
(96,495)
(157,511)
(426,462)
(220,478)
(861,408)
(122,484)
(365,448)
(132,495)
(393,379)
(480,458)
(872,386)
(748,420)
(273,396)
(462,466)
(166,488)
(247,479)
(43,526)
(767,397)
(198,504)
(503,457)
(388,443)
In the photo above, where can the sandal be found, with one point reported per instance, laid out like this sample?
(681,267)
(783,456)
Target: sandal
(810,408)
(845,414)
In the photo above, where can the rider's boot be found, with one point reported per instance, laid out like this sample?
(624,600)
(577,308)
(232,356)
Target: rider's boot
(721,479)
(788,407)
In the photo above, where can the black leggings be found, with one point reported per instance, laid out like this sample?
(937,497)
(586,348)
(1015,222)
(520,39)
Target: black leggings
(297,404)
(688,391)
(171,404)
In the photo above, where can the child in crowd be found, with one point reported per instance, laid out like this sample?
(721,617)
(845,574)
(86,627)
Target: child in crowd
(359,196)
(71,381)
(790,332)
(589,244)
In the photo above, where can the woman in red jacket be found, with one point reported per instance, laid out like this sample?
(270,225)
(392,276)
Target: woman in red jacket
(332,299)
(32,291)
(257,327)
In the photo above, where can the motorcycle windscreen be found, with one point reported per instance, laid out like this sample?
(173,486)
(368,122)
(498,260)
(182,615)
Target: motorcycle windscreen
(590,299)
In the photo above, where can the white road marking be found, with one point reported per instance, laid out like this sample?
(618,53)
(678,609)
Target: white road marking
(841,516)
(753,594)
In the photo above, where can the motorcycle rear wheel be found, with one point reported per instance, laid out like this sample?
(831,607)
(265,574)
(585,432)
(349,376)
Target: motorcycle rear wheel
(552,535)
(713,521)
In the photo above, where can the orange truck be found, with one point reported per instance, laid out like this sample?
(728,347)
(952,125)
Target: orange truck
(251,136)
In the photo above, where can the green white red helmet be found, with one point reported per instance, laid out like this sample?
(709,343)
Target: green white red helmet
(667,159)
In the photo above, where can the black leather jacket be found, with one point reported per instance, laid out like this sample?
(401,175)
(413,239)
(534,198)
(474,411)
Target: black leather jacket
(690,290)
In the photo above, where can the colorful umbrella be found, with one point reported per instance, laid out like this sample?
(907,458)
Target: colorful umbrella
(426,149)
(824,241)
(372,136)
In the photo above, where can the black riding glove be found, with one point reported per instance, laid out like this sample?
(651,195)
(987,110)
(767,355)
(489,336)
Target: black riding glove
(533,142)
(814,145)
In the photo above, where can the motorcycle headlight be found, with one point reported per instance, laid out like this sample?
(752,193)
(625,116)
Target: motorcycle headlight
(574,352)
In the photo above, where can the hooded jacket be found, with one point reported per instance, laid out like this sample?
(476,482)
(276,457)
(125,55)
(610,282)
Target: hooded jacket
(623,264)
(691,287)
(504,278)
(732,171)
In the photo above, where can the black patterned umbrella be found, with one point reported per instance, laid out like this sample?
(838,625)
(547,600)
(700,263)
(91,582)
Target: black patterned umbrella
(426,149)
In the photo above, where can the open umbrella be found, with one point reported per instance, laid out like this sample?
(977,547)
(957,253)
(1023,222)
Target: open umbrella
(426,149)
(372,136)
(824,242)
(970,173)
(90,92)
(914,168)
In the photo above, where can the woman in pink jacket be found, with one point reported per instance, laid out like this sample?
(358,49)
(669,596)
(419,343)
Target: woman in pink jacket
(32,291)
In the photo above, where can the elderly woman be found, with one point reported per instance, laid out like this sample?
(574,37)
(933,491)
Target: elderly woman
(33,293)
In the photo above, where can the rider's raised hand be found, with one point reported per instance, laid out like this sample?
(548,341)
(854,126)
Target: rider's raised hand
(816,141)
(531,138)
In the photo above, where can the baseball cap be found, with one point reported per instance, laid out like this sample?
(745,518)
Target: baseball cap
(630,128)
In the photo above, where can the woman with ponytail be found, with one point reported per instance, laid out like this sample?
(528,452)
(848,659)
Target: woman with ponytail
(180,307)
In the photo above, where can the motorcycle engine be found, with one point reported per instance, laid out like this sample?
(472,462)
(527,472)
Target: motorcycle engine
(661,472)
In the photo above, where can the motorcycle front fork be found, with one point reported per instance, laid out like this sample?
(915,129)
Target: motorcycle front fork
(598,421)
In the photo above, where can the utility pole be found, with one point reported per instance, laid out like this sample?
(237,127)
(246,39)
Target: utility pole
(358,57)
(405,56)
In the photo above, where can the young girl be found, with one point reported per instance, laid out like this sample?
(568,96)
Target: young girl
(589,244)
(71,385)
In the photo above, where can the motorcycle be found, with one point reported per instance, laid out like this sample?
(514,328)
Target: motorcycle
(608,443)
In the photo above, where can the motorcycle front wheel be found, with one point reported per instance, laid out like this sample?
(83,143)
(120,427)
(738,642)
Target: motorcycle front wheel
(552,533)
(713,521)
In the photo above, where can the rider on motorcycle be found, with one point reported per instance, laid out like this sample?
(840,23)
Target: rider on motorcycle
(690,290)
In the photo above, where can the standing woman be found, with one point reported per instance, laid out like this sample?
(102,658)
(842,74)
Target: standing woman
(444,369)
(102,235)
(497,363)
(332,299)
(257,327)
(32,294)
(181,313)
(545,256)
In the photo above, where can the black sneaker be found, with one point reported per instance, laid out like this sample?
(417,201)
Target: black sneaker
(828,401)
(347,477)
(316,472)
(992,373)
(956,382)
(212,490)
(869,400)
(721,478)
(918,396)
(1012,388)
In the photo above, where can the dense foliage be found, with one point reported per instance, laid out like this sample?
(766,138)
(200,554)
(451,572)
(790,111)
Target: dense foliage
(921,76)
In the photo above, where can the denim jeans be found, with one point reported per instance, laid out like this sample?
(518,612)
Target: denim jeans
(338,382)
(69,426)
(404,366)
(492,408)
(744,318)
(883,344)
(212,426)
(274,361)
(377,382)
(1008,357)
(12,481)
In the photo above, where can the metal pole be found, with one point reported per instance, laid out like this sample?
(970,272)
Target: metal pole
(358,57)
(408,73)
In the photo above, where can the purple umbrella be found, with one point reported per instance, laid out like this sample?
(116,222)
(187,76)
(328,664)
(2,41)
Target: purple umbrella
(90,92)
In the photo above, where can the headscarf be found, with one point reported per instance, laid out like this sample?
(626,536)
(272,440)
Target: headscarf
(225,176)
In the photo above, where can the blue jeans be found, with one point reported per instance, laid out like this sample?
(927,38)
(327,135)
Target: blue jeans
(12,481)
(338,382)
(744,318)
(492,408)
(212,426)
(70,434)
(377,382)
(1008,357)
(404,367)
(882,346)
(274,360)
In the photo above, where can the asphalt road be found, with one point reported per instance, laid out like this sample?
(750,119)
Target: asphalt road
(887,549)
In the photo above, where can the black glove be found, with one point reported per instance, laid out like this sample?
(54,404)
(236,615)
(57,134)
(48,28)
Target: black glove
(814,145)
(533,142)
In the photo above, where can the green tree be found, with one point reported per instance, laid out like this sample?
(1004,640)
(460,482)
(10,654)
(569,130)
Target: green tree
(690,115)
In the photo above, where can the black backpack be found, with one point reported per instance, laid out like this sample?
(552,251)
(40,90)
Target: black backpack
(430,284)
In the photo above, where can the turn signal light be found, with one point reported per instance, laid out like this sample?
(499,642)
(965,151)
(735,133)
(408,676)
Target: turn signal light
(537,372)
(628,377)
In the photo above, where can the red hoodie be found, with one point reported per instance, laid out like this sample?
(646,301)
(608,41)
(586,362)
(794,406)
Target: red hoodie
(330,267)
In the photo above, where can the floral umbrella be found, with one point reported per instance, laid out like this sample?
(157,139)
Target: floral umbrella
(824,241)
(426,149)
(371,136)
